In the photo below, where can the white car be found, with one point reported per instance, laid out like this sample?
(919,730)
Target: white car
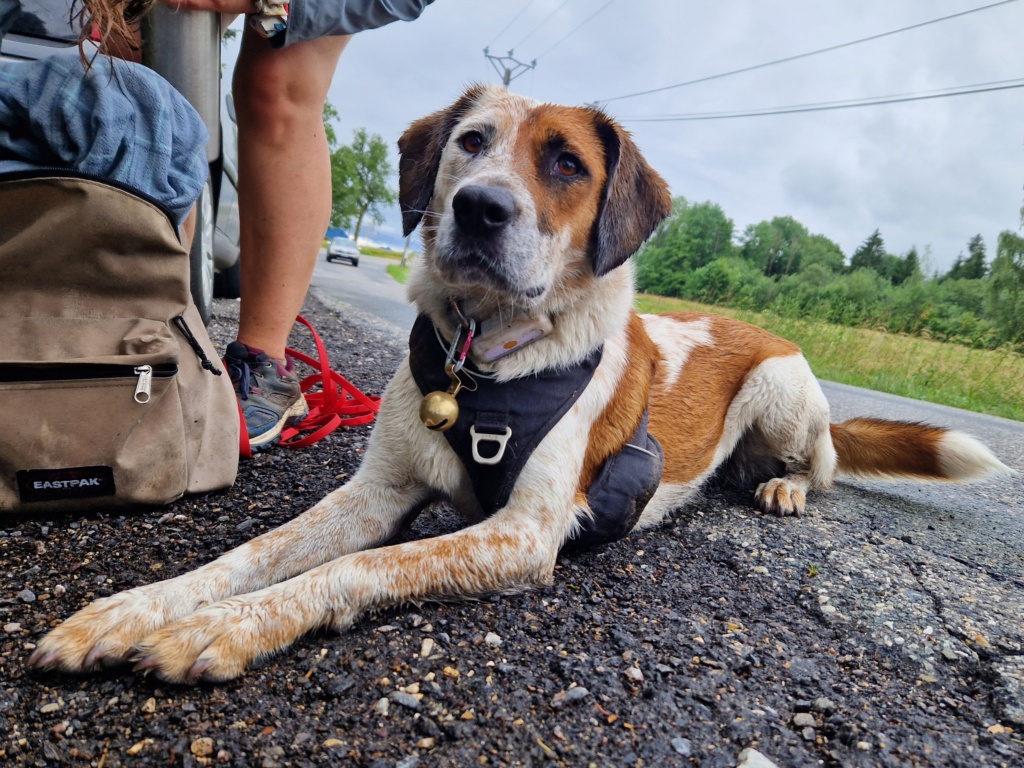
(343,249)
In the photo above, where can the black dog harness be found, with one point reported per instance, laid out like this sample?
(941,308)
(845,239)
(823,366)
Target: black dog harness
(500,425)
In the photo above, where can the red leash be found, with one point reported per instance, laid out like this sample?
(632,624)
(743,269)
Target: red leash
(337,403)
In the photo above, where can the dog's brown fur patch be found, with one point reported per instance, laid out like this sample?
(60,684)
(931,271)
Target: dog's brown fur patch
(688,417)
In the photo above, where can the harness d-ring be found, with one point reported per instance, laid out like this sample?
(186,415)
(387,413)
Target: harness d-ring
(483,437)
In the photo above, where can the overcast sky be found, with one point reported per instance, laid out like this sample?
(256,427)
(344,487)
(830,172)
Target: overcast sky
(930,174)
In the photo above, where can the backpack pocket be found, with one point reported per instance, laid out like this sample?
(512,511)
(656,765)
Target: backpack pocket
(90,414)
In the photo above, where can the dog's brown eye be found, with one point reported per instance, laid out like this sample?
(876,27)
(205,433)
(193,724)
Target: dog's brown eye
(472,142)
(567,165)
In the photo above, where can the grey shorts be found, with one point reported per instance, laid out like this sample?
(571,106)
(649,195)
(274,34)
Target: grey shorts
(310,19)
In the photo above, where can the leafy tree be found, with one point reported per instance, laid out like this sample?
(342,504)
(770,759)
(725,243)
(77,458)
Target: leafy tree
(913,265)
(360,181)
(818,249)
(775,246)
(870,254)
(900,269)
(330,115)
(1006,287)
(692,237)
(725,281)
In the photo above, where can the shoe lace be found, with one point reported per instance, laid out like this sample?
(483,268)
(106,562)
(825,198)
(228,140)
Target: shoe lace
(241,376)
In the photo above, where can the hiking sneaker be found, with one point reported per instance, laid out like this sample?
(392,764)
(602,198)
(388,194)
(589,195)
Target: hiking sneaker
(268,393)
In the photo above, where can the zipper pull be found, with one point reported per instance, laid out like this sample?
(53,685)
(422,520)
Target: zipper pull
(145,386)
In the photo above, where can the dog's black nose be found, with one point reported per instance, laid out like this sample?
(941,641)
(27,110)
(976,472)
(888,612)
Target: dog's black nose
(483,211)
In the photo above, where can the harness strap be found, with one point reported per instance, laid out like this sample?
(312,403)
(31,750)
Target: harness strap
(621,490)
(500,425)
(504,422)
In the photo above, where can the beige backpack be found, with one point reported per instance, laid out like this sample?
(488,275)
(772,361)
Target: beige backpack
(111,392)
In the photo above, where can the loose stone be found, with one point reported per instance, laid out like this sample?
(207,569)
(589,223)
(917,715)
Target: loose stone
(682,746)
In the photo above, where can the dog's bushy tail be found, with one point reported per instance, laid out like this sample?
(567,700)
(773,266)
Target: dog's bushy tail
(892,450)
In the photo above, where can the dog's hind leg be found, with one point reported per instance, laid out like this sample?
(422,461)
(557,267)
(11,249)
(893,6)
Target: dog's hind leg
(782,401)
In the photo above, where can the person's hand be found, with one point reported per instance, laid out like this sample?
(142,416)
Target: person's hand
(233,7)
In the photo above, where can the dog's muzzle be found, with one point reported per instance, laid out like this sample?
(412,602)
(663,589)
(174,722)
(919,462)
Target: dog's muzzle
(483,247)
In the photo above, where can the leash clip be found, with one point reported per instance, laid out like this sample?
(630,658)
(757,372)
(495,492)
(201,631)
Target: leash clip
(483,437)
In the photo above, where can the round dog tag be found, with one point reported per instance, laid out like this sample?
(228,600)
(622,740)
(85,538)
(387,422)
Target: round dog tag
(438,411)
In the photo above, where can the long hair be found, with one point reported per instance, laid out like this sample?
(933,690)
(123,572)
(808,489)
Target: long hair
(108,22)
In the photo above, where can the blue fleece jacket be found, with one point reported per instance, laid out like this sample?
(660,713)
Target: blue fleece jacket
(118,120)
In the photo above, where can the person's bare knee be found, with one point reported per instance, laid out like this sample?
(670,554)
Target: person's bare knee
(280,91)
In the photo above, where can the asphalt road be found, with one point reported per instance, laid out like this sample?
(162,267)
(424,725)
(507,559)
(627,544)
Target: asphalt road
(368,287)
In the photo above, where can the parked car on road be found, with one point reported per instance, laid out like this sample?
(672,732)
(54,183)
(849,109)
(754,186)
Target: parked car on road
(185,49)
(343,249)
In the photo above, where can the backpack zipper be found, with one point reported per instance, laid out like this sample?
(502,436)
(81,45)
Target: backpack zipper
(144,387)
(142,374)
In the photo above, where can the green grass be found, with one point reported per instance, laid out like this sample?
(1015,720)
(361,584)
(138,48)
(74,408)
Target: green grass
(384,253)
(986,381)
(398,272)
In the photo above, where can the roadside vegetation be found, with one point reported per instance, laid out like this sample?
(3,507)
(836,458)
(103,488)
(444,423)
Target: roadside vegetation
(874,320)
(398,272)
(779,266)
(383,253)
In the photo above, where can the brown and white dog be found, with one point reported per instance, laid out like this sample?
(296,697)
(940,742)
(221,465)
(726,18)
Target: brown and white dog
(530,211)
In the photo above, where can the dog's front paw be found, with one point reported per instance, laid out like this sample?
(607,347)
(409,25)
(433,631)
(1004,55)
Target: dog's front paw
(780,497)
(218,642)
(102,633)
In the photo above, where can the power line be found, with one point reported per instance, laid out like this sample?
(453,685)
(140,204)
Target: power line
(545,21)
(963,90)
(836,102)
(810,53)
(591,16)
(514,20)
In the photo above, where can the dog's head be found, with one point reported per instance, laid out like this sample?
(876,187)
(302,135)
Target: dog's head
(521,200)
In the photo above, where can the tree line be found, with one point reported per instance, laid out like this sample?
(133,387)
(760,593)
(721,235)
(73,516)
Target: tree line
(779,266)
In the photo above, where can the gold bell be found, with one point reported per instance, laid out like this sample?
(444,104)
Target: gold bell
(438,411)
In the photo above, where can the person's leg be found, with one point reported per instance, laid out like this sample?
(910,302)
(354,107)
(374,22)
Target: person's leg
(284,191)
(284,184)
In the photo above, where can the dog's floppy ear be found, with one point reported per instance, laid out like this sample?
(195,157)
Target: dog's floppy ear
(635,199)
(420,155)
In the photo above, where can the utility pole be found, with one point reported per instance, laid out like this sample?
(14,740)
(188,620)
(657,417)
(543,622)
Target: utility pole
(508,66)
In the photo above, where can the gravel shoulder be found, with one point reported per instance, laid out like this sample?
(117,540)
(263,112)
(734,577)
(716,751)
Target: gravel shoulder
(859,635)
